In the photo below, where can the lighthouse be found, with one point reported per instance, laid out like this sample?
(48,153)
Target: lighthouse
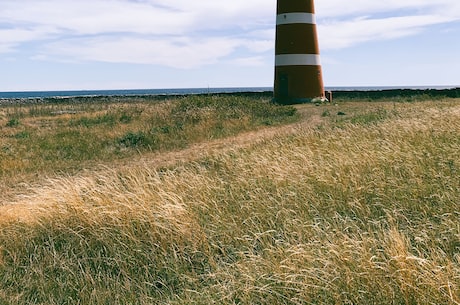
(298,75)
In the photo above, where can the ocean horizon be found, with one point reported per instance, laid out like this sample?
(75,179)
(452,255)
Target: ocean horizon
(186,91)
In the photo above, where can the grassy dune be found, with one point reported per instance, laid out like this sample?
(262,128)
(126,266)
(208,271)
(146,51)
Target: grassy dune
(353,204)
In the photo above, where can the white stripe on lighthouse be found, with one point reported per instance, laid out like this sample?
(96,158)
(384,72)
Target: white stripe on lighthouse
(297,60)
(292,18)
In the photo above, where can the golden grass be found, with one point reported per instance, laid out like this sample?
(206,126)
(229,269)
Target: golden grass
(355,210)
(69,136)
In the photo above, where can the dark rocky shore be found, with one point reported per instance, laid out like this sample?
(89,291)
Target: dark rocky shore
(392,93)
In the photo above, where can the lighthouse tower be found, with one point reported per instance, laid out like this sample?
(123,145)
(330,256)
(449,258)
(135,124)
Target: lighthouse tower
(298,76)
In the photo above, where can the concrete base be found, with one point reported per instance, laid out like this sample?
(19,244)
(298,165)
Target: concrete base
(294,101)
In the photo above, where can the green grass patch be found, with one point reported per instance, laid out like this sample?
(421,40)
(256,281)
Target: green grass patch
(371,117)
(66,136)
(12,122)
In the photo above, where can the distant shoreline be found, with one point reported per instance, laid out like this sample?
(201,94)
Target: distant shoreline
(9,98)
(403,92)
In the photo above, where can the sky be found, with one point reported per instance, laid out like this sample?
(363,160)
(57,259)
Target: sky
(150,44)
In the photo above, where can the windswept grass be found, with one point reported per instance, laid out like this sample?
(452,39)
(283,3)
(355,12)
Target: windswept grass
(68,136)
(346,211)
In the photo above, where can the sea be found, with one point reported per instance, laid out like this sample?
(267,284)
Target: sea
(178,91)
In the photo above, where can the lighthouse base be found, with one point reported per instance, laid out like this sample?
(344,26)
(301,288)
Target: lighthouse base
(294,101)
(298,84)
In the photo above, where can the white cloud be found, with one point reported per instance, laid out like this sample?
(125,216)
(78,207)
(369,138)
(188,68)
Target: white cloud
(338,35)
(254,61)
(344,24)
(188,34)
(11,37)
(173,33)
(146,17)
(179,52)
(341,9)
(95,17)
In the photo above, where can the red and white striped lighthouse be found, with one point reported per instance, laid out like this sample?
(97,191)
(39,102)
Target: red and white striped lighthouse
(298,76)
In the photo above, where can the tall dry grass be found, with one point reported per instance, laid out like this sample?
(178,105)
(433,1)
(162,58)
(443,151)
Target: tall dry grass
(69,135)
(362,211)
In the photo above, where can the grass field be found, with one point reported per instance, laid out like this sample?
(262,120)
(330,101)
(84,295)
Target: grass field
(246,203)
(67,136)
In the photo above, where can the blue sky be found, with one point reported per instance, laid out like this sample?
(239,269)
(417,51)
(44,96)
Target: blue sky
(137,44)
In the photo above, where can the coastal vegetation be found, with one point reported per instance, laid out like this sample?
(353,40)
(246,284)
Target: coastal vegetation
(230,200)
(68,135)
